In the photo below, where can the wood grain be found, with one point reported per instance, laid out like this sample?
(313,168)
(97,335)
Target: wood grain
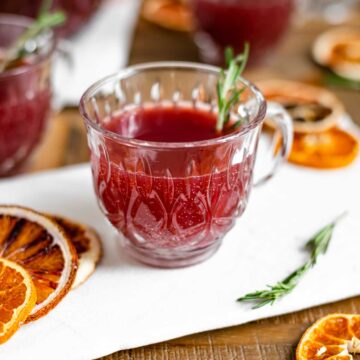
(270,339)
(65,143)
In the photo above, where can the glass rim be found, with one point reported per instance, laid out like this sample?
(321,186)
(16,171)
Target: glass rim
(25,22)
(131,70)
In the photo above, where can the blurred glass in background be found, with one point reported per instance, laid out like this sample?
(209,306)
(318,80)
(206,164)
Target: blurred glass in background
(78,11)
(331,11)
(222,23)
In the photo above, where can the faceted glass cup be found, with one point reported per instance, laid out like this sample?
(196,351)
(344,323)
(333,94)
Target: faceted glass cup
(25,96)
(223,23)
(78,12)
(173,202)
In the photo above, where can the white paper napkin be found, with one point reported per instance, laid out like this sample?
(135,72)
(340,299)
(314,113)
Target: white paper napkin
(100,49)
(126,304)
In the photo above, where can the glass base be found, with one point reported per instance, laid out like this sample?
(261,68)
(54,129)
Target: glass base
(16,169)
(169,258)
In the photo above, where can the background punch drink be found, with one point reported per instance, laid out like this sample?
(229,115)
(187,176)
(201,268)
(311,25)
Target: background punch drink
(78,12)
(165,180)
(25,95)
(222,23)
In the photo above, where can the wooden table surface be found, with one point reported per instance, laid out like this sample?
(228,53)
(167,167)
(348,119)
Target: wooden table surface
(271,339)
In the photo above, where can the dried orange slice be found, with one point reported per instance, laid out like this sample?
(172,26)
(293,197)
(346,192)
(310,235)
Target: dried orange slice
(17,298)
(339,49)
(313,109)
(330,149)
(170,14)
(87,244)
(335,336)
(40,246)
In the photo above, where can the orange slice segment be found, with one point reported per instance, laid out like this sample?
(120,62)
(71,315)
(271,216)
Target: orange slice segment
(40,246)
(330,149)
(333,337)
(17,298)
(87,244)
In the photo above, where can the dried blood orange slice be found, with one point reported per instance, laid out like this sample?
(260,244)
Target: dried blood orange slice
(87,244)
(17,297)
(40,246)
(330,149)
(333,337)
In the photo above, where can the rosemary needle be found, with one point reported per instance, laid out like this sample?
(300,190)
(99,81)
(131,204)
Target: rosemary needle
(227,91)
(45,20)
(318,245)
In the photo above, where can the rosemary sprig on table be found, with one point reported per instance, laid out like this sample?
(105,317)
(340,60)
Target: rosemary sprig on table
(227,91)
(318,245)
(45,20)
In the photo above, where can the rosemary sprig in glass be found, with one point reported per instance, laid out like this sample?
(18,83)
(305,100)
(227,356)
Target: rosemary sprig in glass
(228,92)
(318,245)
(45,20)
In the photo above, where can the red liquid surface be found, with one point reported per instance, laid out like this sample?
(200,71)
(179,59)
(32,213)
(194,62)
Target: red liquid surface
(165,124)
(185,198)
(234,22)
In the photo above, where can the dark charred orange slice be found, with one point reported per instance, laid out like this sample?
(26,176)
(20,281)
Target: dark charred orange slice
(331,149)
(312,109)
(170,14)
(17,298)
(87,244)
(41,247)
(333,337)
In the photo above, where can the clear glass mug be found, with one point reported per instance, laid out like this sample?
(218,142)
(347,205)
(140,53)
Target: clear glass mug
(332,11)
(25,96)
(78,12)
(172,203)
(223,23)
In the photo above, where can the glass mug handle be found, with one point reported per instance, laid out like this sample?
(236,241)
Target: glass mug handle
(283,126)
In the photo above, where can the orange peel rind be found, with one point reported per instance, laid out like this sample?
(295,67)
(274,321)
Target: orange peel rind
(41,247)
(87,244)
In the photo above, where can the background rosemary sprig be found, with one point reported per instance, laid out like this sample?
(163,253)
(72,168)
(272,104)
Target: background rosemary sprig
(227,91)
(45,20)
(318,245)
(333,79)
